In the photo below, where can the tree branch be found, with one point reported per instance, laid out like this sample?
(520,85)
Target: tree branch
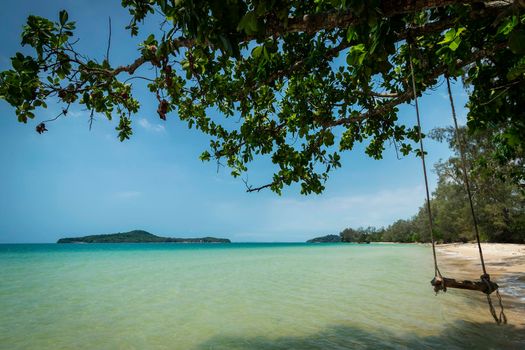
(335,19)
(109,40)
(408,94)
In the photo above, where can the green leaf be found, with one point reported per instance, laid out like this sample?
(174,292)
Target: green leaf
(449,36)
(455,44)
(356,55)
(517,70)
(508,26)
(22,118)
(205,156)
(226,44)
(150,40)
(351,34)
(63,17)
(256,52)
(460,31)
(265,53)
(517,42)
(248,23)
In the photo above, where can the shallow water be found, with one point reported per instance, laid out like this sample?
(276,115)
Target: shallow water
(235,296)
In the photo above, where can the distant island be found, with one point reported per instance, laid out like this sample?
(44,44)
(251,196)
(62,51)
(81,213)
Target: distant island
(346,236)
(139,236)
(325,239)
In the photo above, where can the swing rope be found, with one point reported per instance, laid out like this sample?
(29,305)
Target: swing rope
(437,273)
(439,282)
(485,277)
(461,144)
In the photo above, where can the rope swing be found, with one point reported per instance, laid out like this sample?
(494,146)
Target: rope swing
(485,278)
(439,282)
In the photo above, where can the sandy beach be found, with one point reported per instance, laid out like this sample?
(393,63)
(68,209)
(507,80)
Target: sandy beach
(504,262)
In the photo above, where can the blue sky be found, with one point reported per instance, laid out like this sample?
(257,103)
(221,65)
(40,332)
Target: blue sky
(72,181)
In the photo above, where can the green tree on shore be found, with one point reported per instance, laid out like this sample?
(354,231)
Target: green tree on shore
(499,204)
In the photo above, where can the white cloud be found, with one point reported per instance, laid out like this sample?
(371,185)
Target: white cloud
(376,209)
(151,127)
(76,113)
(297,219)
(455,95)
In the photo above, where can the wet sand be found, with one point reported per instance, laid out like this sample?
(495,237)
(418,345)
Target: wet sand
(504,262)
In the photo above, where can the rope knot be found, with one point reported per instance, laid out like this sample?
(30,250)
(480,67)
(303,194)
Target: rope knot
(439,284)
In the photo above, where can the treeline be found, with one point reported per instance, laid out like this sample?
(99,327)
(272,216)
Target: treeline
(499,200)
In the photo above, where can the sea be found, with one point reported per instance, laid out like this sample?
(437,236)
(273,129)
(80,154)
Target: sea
(236,296)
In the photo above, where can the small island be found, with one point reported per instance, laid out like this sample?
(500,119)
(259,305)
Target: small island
(349,235)
(325,239)
(139,236)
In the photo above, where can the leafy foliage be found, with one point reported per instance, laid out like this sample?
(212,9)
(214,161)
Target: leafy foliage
(361,235)
(499,204)
(274,66)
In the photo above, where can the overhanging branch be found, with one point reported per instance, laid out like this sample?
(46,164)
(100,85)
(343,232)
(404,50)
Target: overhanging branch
(336,19)
(407,95)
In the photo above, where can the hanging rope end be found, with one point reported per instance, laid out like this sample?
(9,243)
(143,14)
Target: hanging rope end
(439,284)
(489,286)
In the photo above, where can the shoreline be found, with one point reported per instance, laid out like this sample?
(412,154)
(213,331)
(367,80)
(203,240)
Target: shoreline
(505,262)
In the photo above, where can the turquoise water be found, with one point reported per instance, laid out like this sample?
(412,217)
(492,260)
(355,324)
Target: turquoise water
(235,296)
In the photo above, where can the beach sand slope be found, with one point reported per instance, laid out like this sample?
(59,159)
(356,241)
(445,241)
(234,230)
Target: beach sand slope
(504,262)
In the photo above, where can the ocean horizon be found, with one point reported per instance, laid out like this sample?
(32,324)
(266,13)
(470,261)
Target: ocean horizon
(235,296)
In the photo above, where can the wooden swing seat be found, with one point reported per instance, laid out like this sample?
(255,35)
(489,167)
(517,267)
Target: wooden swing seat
(483,285)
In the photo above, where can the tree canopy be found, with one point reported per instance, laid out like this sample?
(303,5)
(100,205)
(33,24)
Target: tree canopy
(305,79)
